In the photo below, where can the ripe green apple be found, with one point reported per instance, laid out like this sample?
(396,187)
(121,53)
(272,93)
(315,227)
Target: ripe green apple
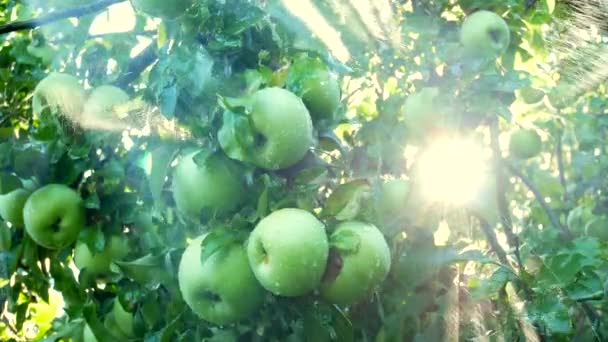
(221,289)
(316,85)
(578,218)
(121,320)
(99,109)
(162,8)
(98,263)
(598,227)
(525,143)
(88,335)
(288,252)
(355,271)
(11,206)
(283,127)
(53,216)
(485,34)
(215,185)
(423,115)
(393,196)
(62,93)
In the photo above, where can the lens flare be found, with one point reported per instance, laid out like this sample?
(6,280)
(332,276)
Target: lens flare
(451,171)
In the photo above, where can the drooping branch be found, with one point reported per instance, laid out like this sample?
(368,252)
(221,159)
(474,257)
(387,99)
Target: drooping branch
(74,12)
(493,241)
(501,192)
(138,64)
(559,153)
(539,197)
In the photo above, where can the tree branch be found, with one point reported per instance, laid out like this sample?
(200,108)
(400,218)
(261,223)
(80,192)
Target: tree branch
(74,12)
(493,241)
(138,64)
(539,197)
(560,166)
(501,193)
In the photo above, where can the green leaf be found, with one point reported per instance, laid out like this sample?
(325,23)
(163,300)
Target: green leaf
(149,269)
(161,161)
(236,136)
(345,241)
(216,241)
(347,200)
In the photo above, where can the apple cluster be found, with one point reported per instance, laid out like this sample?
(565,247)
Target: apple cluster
(62,94)
(288,253)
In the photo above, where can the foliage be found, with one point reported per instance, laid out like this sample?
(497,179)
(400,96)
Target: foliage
(530,259)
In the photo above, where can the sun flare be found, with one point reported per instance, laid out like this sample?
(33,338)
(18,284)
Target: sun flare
(452,171)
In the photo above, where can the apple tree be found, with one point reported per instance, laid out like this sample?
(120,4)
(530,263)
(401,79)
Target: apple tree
(242,170)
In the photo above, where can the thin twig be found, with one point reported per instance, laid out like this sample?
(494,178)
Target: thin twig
(539,197)
(493,241)
(138,64)
(501,193)
(560,166)
(74,12)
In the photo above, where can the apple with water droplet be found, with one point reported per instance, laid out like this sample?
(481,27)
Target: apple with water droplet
(222,288)
(360,260)
(54,215)
(288,252)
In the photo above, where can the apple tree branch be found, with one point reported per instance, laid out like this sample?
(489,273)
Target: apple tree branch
(74,12)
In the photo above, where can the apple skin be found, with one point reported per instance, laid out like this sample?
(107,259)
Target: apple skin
(316,85)
(162,8)
(597,227)
(288,252)
(216,186)
(393,196)
(60,92)
(98,263)
(53,216)
(361,270)
(422,115)
(11,206)
(284,126)
(98,109)
(88,335)
(124,320)
(485,34)
(222,289)
(525,143)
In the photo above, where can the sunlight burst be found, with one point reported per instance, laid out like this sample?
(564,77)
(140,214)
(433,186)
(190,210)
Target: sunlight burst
(451,171)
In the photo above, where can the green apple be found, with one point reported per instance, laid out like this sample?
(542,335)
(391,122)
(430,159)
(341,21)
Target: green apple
(360,260)
(11,206)
(53,216)
(530,95)
(222,288)
(316,85)
(99,110)
(578,218)
(205,180)
(288,252)
(485,34)
(61,93)
(88,335)
(525,143)
(98,263)
(423,114)
(598,227)
(123,319)
(283,127)
(393,196)
(162,8)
